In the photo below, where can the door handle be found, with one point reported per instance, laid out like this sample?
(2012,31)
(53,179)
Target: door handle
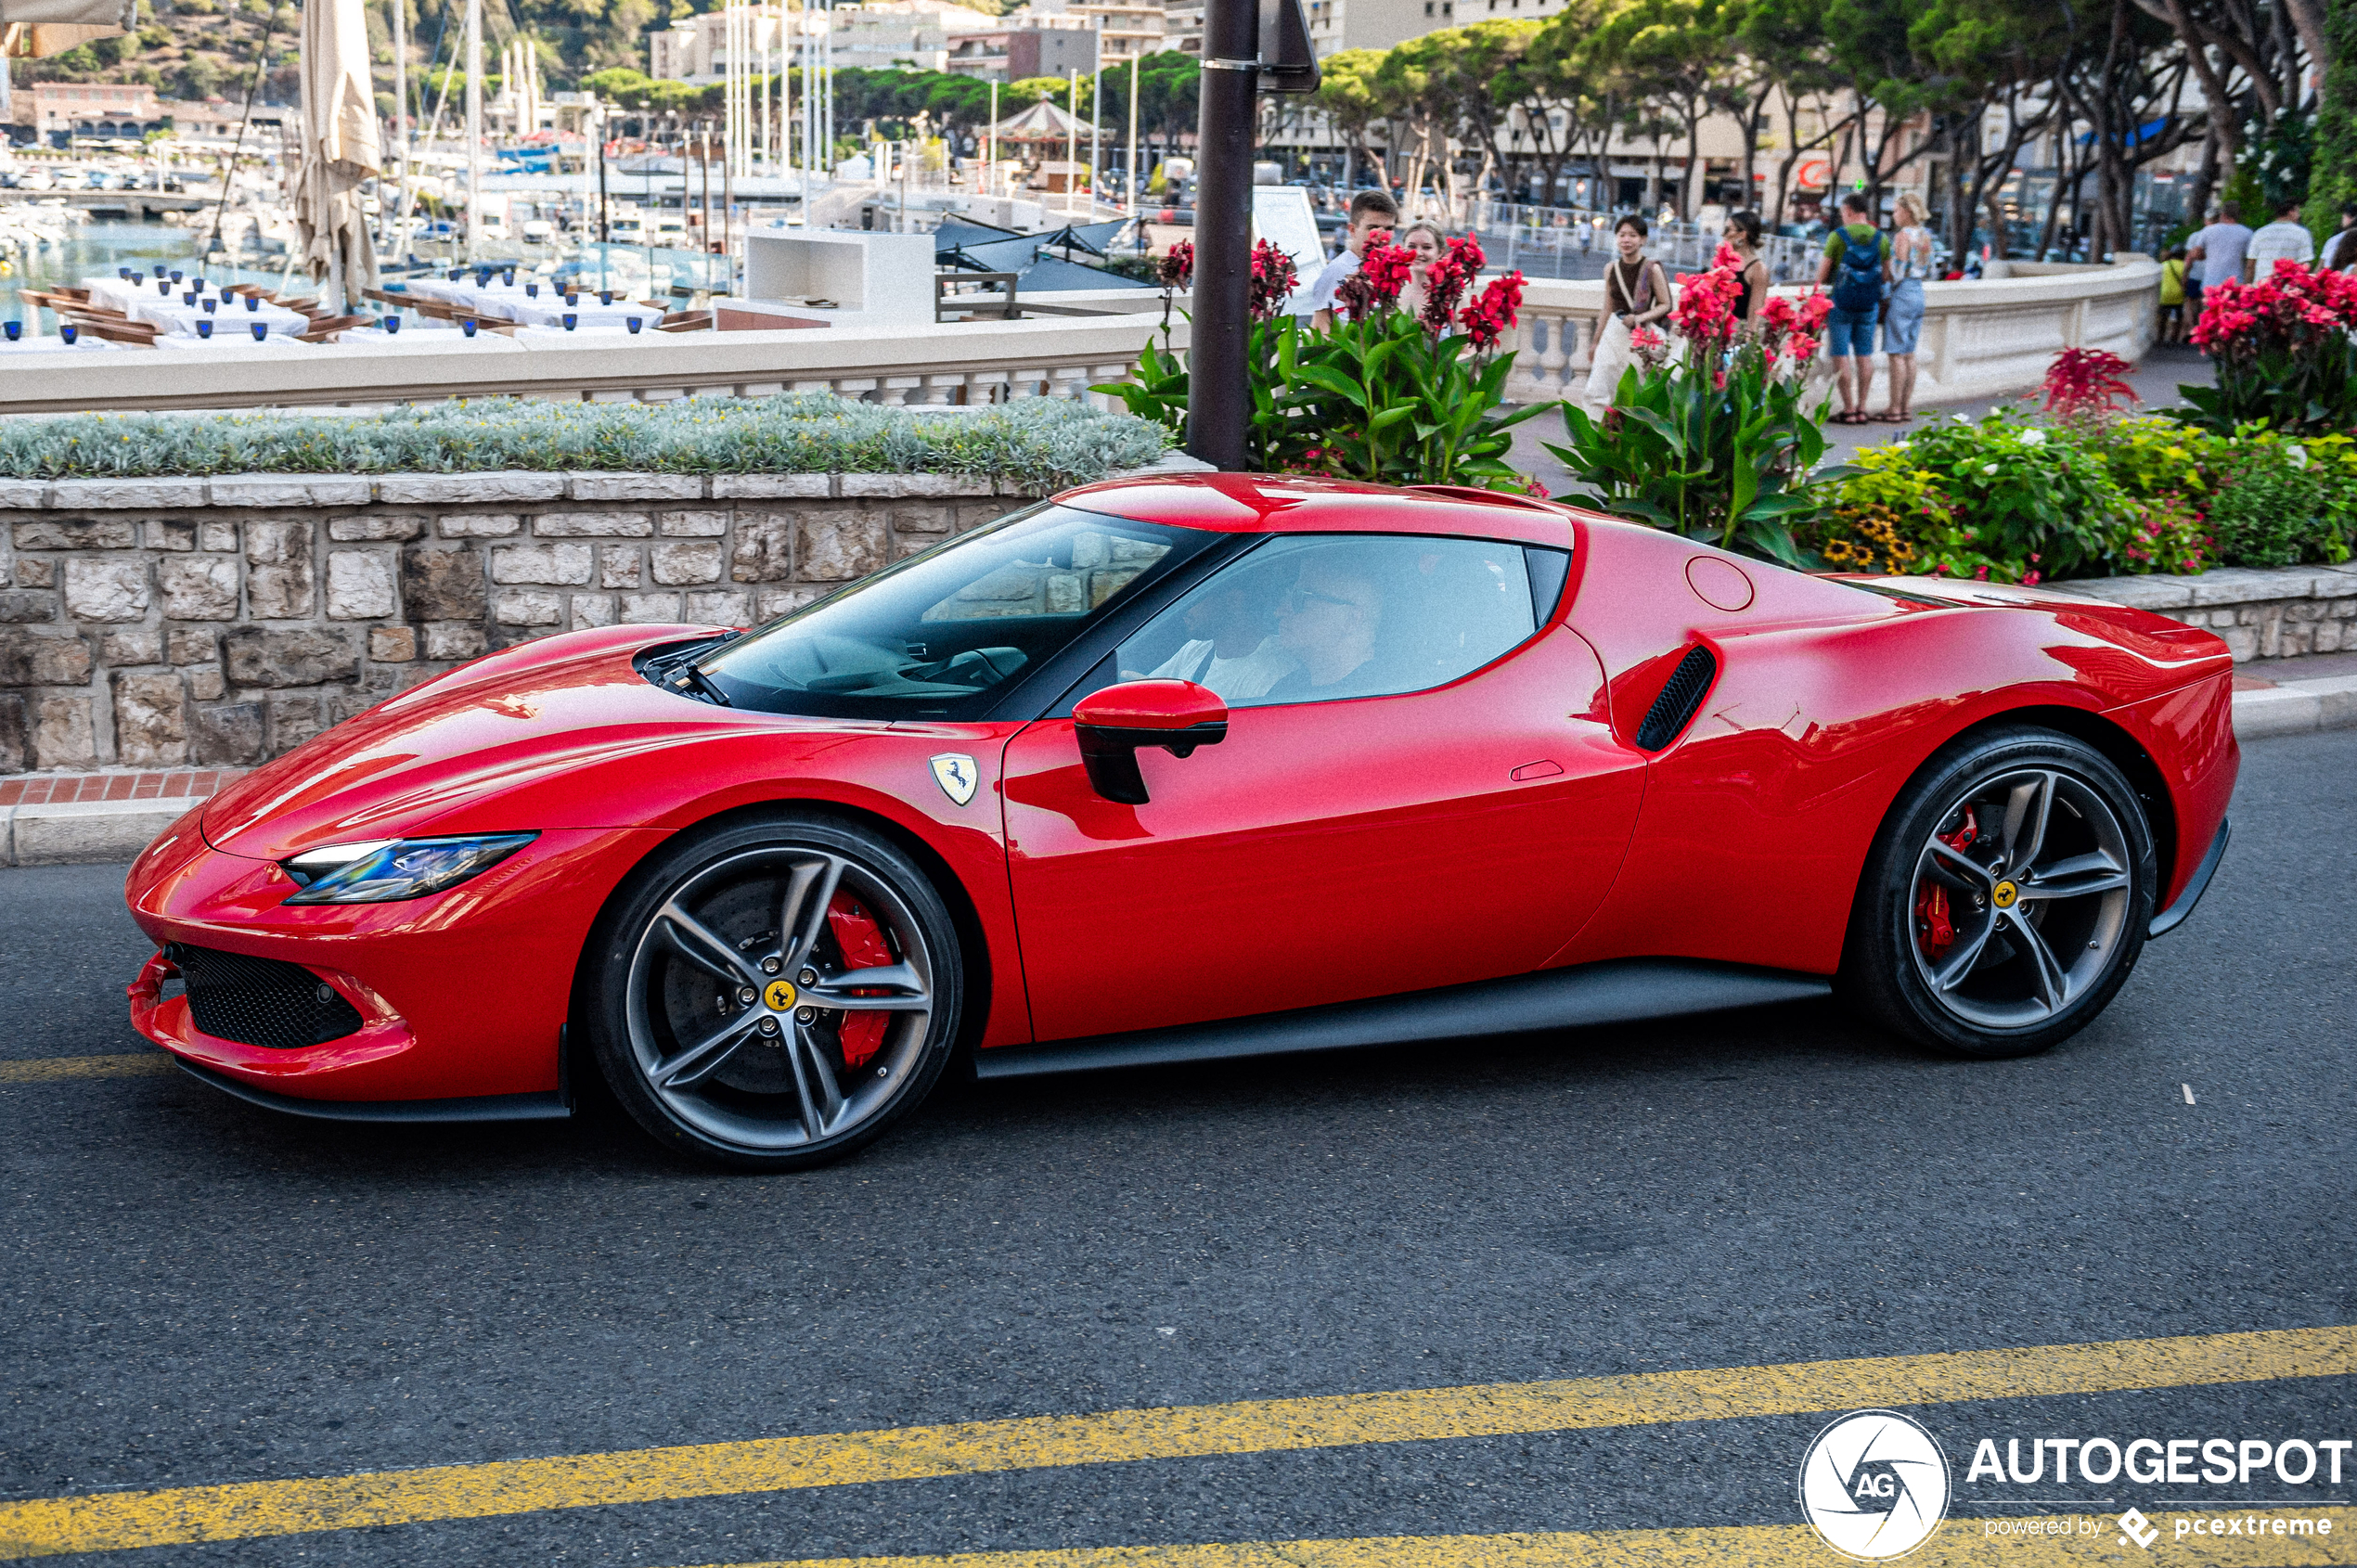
(1540,769)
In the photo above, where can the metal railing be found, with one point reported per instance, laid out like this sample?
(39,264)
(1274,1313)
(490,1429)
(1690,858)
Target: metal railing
(1576,242)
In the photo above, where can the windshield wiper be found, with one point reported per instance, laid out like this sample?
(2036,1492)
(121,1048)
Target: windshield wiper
(686,678)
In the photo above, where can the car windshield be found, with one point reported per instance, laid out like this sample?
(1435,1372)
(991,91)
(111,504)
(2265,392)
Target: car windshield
(942,635)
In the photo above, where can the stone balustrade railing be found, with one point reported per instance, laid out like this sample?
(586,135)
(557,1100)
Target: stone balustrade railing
(1982,338)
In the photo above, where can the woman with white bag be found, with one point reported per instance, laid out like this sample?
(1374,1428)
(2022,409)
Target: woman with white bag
(1636,295)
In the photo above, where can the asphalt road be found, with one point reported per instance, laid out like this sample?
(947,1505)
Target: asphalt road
(194,1291)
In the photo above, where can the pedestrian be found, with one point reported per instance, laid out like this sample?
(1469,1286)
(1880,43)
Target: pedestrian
(2286,239)
(2340,250)
(1424,242)
(1372,213)
(1909,266)
(2172,296)
(1856,263)
(1636,295)
(1742,237)
(2218,250)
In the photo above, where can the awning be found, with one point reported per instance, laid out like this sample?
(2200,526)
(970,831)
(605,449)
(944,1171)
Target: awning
(30,29)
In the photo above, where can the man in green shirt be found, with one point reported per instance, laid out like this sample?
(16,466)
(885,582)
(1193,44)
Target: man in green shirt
(1856,263)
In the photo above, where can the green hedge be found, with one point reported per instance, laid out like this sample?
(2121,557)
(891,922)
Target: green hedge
(1038,443)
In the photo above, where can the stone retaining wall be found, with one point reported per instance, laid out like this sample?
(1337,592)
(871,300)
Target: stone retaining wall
(2280,612)
(217,623)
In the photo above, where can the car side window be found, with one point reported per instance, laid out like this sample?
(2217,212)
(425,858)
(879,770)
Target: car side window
(1317,618)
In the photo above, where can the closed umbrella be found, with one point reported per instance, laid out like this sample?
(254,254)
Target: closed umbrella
(339,147)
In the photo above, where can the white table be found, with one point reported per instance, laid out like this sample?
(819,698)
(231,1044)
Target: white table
(30,344)
(588,316)
(231,320)
(363,339)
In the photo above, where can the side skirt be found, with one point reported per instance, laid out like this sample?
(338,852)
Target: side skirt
(1617,992)
(487,1108)
(2169,920)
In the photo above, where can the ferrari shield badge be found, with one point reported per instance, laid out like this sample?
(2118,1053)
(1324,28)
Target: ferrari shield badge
(955,772)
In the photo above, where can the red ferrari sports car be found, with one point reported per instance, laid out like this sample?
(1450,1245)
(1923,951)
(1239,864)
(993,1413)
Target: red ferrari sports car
(1179,768)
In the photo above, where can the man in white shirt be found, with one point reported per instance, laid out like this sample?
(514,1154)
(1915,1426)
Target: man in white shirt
(2219,248)
(2286,239)
(1372,213)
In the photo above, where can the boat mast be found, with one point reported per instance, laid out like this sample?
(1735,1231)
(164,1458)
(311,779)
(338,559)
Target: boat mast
(474,126)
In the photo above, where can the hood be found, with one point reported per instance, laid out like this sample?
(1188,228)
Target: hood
(446,757)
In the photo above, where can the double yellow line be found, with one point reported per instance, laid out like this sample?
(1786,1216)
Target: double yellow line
(255,1510)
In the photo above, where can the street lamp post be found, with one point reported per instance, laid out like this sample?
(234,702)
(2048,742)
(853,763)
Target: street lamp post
(1221,399)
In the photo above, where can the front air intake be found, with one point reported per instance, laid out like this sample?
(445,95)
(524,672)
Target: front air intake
(1675,708)
(279,1007)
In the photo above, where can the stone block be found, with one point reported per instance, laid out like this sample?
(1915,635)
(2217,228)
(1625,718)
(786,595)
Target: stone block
(2241,641)
(90,832)
(62,735)
(76,534)
(837,546)
(205,684)
(30,495)
(922,519)
(392,645)
(170,533)
(290,490)
(619,566)
(26,607)
(675,563)
(231,733)
(36,572)
(199,588)
(770,603)
(278,659)
(374,526)
(360,586)
(634,487)
(216,535)
(131,648)
(443,585)
(528,607)
(281,577)
(101,589)
(32,659)
(446,642)
(560,564)
(291,721)
(151,720)
(480,525)
(592,610)
(765,547)
(459,490)
(894,486)
(126,494)
(649,609)
(772,487)
(721,606)
(692,525)
(594,525)
(16,733)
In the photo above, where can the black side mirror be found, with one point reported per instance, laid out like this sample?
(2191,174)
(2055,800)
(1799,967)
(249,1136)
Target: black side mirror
(1111,724)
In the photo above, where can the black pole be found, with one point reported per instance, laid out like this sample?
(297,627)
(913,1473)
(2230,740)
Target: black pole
(1219,398)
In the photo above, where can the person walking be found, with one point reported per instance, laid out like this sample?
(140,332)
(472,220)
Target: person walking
(2172,296)
(2340,250)
(1903,311)
(1742,237)
(2217,253)
(1372,212)
(2286,239)
(1856,263)
(1424,242)
(1636,295)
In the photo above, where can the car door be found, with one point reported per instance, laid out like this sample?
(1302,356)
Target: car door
(1451,808)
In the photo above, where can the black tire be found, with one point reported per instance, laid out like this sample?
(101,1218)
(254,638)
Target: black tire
(1951,946)
(719,1069)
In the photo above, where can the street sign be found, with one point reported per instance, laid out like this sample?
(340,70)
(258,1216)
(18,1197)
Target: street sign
(1288,64)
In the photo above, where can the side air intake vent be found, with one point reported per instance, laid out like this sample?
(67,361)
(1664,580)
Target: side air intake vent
(263,1002)
(1674,708)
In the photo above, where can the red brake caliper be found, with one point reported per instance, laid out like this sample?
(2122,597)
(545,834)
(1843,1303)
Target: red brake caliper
(1933,928)
(863,945)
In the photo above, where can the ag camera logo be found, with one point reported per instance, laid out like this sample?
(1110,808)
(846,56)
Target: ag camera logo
(1875,1484)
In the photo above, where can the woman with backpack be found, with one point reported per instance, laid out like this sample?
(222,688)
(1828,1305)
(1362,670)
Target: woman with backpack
(1856,263)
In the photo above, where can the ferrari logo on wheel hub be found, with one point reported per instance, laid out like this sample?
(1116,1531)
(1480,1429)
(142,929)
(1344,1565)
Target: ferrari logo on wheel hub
(2003,895)
(779,996)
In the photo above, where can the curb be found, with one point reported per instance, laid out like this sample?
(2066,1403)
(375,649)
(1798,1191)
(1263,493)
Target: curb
(97,832)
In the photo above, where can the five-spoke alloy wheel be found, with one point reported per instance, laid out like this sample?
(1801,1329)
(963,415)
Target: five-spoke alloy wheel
(2007,898)
(773,994)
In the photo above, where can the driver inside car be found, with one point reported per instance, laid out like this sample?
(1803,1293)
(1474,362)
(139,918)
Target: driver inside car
(1232,646)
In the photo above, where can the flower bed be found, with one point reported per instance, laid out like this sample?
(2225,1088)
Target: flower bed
(1038,443)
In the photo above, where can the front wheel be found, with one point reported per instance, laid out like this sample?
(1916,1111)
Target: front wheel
(2007,898)
(775,992)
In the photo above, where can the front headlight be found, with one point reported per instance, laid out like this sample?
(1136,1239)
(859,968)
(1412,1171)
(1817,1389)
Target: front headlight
(386,870)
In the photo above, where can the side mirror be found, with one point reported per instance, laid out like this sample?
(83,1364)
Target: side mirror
(1111,724)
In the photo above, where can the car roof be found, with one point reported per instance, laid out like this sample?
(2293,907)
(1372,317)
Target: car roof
(1228,503)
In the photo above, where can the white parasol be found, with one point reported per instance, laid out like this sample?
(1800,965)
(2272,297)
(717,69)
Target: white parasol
(339,147)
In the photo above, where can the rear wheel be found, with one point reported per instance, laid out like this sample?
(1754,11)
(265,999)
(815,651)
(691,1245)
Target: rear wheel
(776,993)
(2007,898)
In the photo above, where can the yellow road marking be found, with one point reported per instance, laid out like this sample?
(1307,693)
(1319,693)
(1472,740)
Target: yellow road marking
(246,1511)
(49,1069)
(1960,1543)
